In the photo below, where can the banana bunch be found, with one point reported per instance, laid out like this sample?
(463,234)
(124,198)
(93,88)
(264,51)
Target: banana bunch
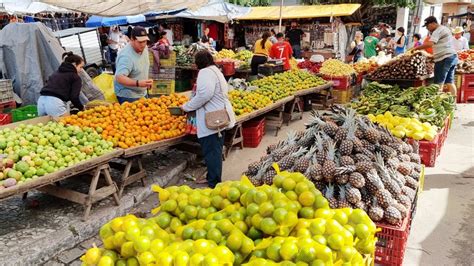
(336,68)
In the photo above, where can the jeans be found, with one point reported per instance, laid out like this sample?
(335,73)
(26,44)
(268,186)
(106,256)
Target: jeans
(53,106)
(444,70)
(256,61)
(296,50)
(212,150)
(113,57)
(125,99)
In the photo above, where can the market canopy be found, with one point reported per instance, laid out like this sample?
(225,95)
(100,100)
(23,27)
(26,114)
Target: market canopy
(296,12)
(27,7)
(217,10)
(110,8)
(467,14)
(98,21)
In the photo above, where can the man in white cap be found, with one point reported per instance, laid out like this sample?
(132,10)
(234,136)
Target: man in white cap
(459,42)
(133,64)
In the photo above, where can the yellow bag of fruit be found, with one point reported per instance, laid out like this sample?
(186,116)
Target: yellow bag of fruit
(105,82)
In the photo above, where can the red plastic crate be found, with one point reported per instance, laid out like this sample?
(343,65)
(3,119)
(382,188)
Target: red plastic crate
(340,83)
(228,68)
(429,150)
(466,91)
(7,105)
(253,132)
(5,119)
(392,242)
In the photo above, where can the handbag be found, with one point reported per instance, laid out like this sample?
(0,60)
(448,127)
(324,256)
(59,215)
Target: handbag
(217,120)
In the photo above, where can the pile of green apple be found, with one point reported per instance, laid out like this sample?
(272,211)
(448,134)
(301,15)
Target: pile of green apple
(31,151)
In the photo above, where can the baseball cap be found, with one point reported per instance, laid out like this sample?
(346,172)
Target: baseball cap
(140,34)
(429,20)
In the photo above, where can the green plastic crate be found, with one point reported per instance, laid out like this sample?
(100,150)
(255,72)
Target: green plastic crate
(182,85)
(24,113)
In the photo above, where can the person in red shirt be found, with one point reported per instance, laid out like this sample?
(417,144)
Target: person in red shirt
(282,50)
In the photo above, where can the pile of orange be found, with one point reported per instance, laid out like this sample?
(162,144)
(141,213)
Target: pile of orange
(133,124)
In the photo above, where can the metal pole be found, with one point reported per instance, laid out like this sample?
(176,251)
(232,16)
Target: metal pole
(281,10)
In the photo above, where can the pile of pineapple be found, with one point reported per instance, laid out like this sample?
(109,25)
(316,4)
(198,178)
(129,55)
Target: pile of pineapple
(353,161)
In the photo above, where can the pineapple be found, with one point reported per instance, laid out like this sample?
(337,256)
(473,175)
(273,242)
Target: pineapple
(257,180)
(415,175)
(307,139)
(410,193)
(329,166)
(418,168)
(365,144)
(289,160)
(333,203)
(406,148)
(387,152)
(402,199)
(404,158)
(353,194)
(342,179)
(362,205)
(346,161)
(393,163)
(253,168)
(320,154)
(388,181)
(415,158)
(269,175)
(289,147)
(320,185)
(370,132)
(364,167)
(302,164)
(392,215)
(343,203)
(328,127)
(275,146)
(384,198)
(373,181)
(359,157)
(405,168)
(347,145)
(357,180)
(366,196)
(314,171)
(376,213)
(402,209)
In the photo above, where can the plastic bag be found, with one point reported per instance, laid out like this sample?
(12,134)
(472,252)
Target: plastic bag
(105,82)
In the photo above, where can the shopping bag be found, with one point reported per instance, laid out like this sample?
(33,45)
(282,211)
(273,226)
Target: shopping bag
(105,82)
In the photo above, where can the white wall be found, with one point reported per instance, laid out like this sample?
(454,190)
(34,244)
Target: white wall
(427,11)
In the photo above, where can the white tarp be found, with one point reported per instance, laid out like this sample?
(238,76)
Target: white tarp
(31,57)
(28,7)
(217,10)
(111,8)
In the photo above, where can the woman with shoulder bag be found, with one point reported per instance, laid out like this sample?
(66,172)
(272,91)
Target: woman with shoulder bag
(214,114)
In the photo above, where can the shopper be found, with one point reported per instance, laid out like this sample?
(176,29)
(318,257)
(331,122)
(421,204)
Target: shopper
(113,42)
(370,44)
(294,34)
(401,41)
(133,64)
(416,40)
(357,47)
(211,95)
(282,50)
(62,86)
(445,56)
(273,38)
(459,42)
(261,52)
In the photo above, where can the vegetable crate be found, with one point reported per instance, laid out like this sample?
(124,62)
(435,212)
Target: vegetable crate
(5,119)
(6,91)
(342,96)
(392,242)
(163,73)
(340,83)
(162,87)
(170,62)
(25,113)
(7,106)
(466,91)
(253,132)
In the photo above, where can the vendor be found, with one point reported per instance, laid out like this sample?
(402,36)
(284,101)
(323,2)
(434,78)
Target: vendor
(261,52)
(282,50)
(445,56)
(460,43)
(63,86)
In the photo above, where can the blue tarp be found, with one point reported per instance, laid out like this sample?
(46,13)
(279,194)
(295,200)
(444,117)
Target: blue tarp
(98,21)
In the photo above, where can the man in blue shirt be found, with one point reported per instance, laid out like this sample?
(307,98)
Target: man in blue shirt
(133,64)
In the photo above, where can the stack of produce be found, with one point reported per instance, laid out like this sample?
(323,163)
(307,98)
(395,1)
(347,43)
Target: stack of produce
(311,66)
(407,66)
(237,223)
(281,85)
(245,102)
(356,163)
(243,55)
(132,124)
(424,103)
(466,62)
(336,68)
(365,66)
(35,150)
(225,53)
(183,58)
(402,127)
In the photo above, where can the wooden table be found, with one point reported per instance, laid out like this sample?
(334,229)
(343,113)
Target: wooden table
(133,156)
(97,167)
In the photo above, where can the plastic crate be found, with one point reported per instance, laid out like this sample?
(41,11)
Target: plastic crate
(466,90)
(340,83)
(163,73)
(182,85)
(25,113)
(6,90)
(228,68)
(5,119)
(7,106)
(253,132)
(269,70)
(342,96)
(392,242)
(162,87)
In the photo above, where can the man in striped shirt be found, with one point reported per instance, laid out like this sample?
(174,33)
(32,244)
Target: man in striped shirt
(445,56)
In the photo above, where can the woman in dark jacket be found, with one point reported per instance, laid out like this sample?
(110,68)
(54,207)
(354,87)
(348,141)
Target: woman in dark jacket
(63,86)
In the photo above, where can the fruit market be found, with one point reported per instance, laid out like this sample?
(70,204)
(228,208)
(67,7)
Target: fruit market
(249,133)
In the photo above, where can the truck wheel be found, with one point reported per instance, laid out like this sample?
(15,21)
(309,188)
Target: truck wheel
(92,72)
